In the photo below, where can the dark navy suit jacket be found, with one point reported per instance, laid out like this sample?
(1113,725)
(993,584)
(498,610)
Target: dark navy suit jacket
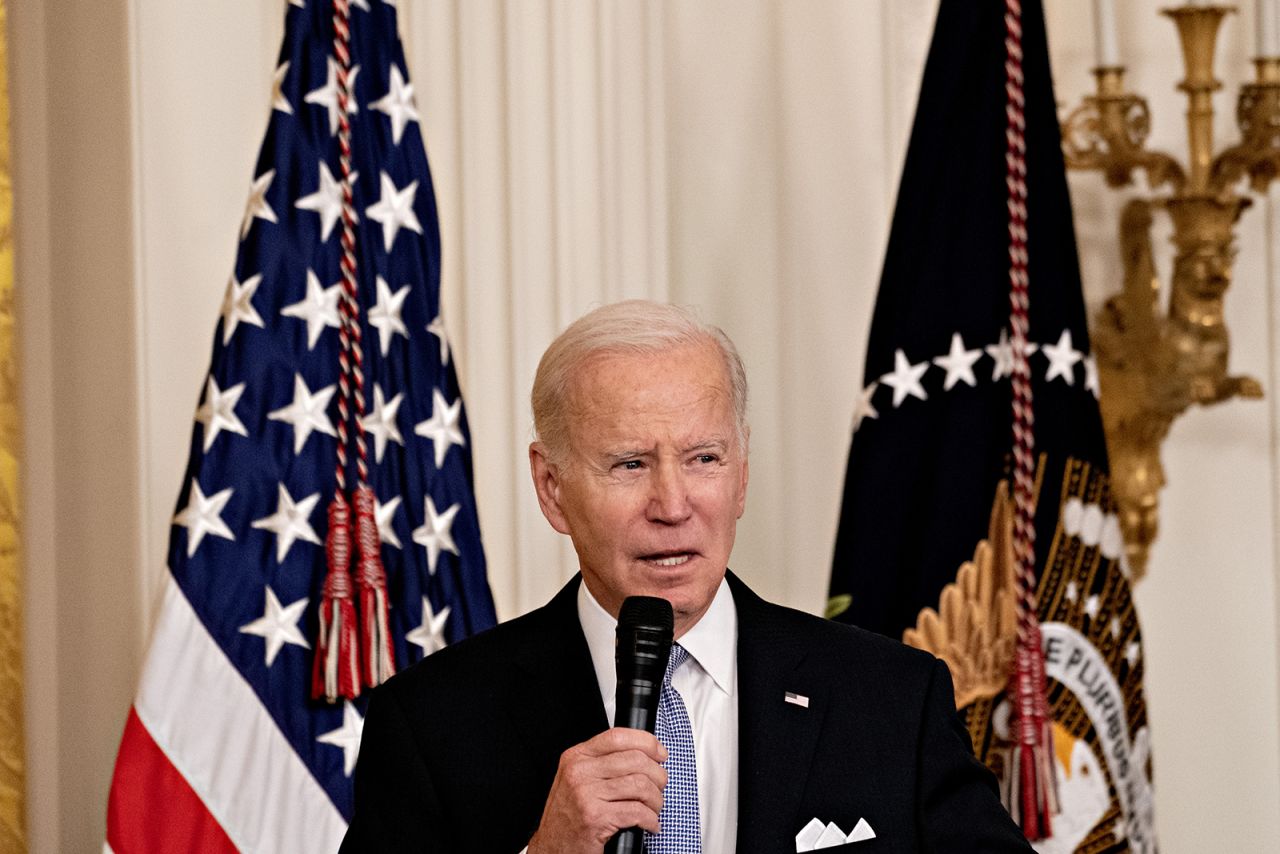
(459,751)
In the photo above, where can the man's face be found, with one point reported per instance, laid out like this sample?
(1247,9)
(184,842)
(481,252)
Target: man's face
(654,480)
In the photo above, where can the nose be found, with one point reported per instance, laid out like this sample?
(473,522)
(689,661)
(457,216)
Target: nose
(669,500)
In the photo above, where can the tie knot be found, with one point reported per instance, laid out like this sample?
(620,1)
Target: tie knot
(678,656)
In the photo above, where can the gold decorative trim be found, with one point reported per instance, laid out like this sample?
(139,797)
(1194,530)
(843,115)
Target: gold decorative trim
(12,836)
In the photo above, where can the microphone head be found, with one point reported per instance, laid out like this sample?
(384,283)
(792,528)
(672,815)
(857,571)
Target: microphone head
(645,630)
(646,613)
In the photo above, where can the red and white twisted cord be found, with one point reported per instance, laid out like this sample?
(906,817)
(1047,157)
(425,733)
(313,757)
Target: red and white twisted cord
(1032,772)
(351,356)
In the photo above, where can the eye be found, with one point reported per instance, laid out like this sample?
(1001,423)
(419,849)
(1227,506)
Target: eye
(707,459)
(629,465)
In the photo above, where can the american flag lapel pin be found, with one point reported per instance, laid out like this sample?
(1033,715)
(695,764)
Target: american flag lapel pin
(796,699)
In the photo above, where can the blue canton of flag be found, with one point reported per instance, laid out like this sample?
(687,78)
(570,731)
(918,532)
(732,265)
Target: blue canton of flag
(247,550)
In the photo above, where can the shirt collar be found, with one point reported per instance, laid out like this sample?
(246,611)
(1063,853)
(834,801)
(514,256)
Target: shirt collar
(712,642)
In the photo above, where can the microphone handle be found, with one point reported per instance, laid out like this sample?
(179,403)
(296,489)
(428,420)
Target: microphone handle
(638,709)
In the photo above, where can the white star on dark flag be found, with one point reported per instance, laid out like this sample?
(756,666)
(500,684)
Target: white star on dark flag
(385,315)
(346,737)
(397,104)
(1062,359)
(319,308)
(394,209)
(327,95)
(436,534)
(307,412)
(381,422)
(386,514)
(958,363)
(436,328)
(278,100)
(217,413)
(429,635)
(237,306)
(442,428)
(904,379)
(326,200)
(1002,354)
(290,522)
(203,515)
(257,207)
(278,625)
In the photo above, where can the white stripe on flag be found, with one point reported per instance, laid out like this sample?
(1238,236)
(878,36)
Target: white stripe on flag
(212,726)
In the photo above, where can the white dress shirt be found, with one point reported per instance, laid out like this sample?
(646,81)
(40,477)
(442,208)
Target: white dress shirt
(708,684)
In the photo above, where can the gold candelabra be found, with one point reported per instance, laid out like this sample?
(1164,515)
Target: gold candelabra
(1155,360)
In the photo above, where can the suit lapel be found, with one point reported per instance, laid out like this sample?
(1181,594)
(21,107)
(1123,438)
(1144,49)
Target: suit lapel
(776,739)
(554,697)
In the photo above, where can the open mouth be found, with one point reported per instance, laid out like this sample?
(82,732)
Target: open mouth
(668,559)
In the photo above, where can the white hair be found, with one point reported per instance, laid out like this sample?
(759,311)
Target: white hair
(631,326)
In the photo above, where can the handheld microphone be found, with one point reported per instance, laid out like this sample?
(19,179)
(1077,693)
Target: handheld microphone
(645,632)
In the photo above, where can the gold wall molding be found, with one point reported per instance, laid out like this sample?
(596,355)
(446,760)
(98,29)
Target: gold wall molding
(12,836)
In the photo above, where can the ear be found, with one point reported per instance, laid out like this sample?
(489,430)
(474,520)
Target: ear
(742,487)
(546,483)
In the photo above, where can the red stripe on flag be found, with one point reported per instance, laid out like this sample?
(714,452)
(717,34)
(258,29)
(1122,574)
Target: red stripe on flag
(152,808)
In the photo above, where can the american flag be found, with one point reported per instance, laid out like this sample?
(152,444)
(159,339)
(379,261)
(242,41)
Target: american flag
(224,748)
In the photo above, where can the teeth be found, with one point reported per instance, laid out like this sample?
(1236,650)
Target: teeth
(671,561)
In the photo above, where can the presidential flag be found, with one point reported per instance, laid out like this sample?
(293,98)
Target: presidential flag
(946,456)
(330,339)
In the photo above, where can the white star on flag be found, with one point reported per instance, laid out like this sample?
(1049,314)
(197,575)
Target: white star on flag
(278,625)
(257,207)
(1002,354)
(1062,358)
(346,737)
(385,316)
(381,422)
(436,328)
(203,515)
(307,412)
(429,635)
(864,408)
(301,4)
(394,210)
(290,522)
(397,104)
(436,534)
(442,427)
(904,379)
(326,200)
(278,100)
(361,4)
(217,413)
(386,514)
(1073,591)
(237,306)
(319,308)
(1091,376)
(327,95)
(958,363)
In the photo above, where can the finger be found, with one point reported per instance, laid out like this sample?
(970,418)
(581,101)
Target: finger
(622,764)
(633,787)
(624,738)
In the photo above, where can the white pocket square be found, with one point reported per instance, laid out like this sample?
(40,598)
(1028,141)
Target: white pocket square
(817,835)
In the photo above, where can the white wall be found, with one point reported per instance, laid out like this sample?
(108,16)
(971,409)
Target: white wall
(738,155)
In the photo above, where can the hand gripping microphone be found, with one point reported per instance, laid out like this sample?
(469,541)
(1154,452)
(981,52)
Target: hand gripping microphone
(645,630)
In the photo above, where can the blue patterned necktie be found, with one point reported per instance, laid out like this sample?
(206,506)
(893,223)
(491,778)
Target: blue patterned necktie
(681,832)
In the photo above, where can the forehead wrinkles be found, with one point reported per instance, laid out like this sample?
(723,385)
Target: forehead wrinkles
(642,390)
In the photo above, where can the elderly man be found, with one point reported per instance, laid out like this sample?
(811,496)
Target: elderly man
(780,727)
